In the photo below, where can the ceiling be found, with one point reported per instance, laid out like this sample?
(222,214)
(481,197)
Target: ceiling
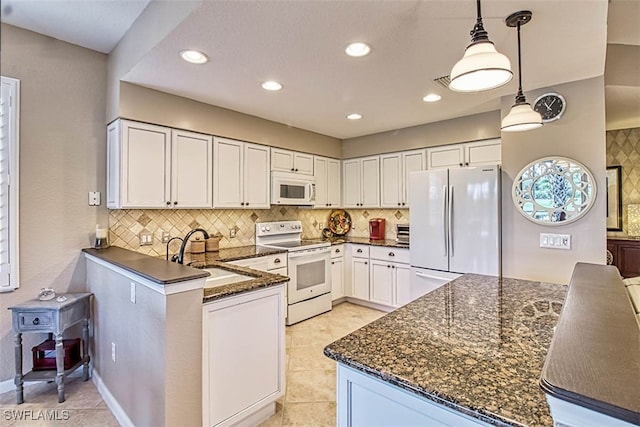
(301,44)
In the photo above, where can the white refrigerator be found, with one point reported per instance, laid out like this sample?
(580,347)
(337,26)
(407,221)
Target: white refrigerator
(455,224)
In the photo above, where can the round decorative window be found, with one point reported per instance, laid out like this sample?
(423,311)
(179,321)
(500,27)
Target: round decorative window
(554,191)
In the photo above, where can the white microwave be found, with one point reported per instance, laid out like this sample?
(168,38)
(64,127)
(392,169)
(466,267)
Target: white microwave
(292,189)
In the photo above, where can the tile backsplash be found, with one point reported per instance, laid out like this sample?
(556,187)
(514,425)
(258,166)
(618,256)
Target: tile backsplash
(623,148)
(125,225)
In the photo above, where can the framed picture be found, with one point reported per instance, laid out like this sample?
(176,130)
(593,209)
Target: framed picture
(614,199)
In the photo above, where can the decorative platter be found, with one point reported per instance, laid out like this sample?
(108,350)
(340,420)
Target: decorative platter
(339,222)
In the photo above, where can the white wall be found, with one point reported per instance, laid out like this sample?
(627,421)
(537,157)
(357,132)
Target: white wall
(580,135)
(62,158)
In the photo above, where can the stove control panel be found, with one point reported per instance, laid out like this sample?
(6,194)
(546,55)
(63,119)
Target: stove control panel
(278,227)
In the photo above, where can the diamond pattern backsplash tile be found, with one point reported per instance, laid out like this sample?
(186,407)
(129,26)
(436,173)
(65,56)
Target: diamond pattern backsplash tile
(125,224)
(623,148)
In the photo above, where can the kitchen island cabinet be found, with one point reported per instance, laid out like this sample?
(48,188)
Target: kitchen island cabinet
(468,353)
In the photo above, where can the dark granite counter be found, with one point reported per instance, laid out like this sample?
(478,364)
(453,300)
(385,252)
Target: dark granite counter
(476,345)
(164,272)
(594,358)
(365,241)
(151,268)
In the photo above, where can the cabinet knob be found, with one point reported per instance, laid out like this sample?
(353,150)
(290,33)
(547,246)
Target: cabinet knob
(393,266)
(467,164)
(403,203)
(246,204)
(392,254)
(398,203)
(296,170)
(337,251)
(168,203)
(365,263)
(388,266)
(175,203)
(241,203)
(36,321)
(292,170)
(276,261)
(460,164)
(332,262)
(359,251)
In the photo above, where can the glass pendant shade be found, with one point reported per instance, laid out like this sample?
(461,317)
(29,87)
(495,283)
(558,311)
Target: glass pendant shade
(481,68)
(521,118)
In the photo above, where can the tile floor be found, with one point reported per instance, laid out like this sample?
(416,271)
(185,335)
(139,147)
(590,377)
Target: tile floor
(310,392)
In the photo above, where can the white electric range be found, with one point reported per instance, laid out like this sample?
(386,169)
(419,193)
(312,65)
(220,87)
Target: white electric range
(309,268)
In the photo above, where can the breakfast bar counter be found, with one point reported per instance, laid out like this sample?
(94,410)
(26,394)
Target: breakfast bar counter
(473,348)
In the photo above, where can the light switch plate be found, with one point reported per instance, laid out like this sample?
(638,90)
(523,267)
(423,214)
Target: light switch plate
(94,198)
(555,241)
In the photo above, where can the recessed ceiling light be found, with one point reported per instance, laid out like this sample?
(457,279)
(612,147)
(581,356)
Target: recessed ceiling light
(358,49)
(271,85)
(354,116)
(432,97)
(194,56)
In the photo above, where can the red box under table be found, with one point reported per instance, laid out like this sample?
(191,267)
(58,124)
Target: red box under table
(44,354)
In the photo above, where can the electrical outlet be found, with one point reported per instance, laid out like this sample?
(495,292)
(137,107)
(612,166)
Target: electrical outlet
(232,232)
(166,236)
(146,238)
(133,292)
(113,352)
(94,198)
(321,226)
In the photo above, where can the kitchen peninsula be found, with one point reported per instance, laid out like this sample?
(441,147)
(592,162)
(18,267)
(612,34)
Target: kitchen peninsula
(468,353)
(157,352)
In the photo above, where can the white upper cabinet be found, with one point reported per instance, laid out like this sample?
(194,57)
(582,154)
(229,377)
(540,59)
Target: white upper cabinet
(361,182)
(394,176)
(327,175)
(291,161)
(487,152)
(241,174)
(154,167)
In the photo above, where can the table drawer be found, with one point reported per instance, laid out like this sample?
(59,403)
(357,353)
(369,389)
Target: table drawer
(35,320)
(390,254)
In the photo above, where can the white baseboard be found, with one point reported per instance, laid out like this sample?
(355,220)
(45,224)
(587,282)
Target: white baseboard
(111,402)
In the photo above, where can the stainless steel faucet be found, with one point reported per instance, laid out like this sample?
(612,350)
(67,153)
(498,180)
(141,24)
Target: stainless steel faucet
(180,256)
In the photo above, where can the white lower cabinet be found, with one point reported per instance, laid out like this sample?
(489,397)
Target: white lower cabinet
(366,401)
(243,357)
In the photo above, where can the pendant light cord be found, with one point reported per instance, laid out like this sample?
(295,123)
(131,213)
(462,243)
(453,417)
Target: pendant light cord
(479,34)
(520,99)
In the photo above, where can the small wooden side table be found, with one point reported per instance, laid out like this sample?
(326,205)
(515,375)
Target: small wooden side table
(53,317)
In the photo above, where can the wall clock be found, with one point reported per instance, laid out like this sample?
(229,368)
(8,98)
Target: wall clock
(551,106)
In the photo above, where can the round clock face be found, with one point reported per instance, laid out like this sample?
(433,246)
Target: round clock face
(550,106)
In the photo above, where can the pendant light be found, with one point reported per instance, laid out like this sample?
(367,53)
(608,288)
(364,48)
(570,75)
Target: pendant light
(481,67)
(521,117)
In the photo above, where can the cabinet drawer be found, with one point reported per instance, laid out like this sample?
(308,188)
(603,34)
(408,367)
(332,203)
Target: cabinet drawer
(337,251)
(389,254)
(360,251)
(277,261)
(35,320)
(257,263)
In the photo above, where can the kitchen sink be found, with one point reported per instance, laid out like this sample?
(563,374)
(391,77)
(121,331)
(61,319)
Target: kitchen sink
(220,276)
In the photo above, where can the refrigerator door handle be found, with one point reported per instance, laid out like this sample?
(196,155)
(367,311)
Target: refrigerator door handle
(444,220)
(451,220)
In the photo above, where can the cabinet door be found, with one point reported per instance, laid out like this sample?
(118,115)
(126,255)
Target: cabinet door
(282,160)
(257,188)
(402,280)
(629,259)
(351,183)
(303,163)
(381,283)
(391,181)
(320,174)
(258,317)
(412,161)
(370,181)
(337,282)
(360,278)
(146,150)
(228,173)
(333,183)
(191,170)
(483,153)
(448,156)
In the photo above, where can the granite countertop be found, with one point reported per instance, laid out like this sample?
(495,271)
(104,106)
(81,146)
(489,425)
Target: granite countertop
(164,272)
(365,241)
(594,357)
(476,345)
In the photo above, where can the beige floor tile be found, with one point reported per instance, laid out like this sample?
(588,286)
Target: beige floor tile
(311,338)
(311,386)
(309,358)
(320,414)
